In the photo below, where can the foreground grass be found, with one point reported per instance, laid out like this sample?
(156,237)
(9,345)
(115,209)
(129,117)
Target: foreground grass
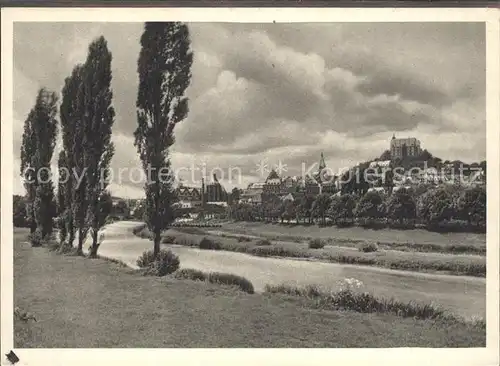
(94,303)
(468,265)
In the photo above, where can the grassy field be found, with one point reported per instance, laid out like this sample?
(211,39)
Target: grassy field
(94,303)
(470,265)
(404,240)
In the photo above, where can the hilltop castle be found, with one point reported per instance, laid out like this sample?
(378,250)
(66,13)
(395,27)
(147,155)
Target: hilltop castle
(403,147)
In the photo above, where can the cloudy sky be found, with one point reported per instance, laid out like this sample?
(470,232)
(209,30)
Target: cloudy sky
(270,93)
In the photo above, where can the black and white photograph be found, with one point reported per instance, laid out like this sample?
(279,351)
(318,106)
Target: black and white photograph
(246,184)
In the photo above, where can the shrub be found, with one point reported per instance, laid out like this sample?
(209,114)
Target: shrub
(216,277)
(165,263)
(191,274)
(142,231)
(263,242)
(309,291)
(243,239)
(277,251)
(185,241)
(54,246)
(209,244)
(168,239)
(65,249)
(36,238)
(368,247)
(349,299)
(316,243)
(232,280)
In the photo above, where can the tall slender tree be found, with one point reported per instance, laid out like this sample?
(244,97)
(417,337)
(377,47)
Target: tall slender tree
(62,204)
(39,140)
(164,68)
(70,116)
(98,120)
(46,131)
(28,174)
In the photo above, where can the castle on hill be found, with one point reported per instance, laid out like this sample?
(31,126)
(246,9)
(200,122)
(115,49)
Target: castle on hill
(402,147)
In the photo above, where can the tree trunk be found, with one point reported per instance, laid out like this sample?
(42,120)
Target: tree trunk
(157,239)
(79,250)
(95,245)
(32,226)
(71,233)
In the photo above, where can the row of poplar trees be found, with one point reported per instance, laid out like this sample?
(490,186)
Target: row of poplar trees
(86,117)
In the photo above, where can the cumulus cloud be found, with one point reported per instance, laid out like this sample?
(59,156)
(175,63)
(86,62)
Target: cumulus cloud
(284,92)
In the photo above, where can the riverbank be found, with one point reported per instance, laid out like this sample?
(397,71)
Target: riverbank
(80,302)
(464,296)
(403,240)
(427,262)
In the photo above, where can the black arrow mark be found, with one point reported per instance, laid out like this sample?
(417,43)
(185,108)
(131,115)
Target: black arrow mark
(12,357)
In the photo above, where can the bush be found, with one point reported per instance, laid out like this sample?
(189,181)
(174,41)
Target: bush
(165,263)
(35,238)
(65,249)
(243,239)
(309,291)
(142,231)
(53,246)
(316,243)
(216,277)
(168,239)
(209,244)
(368,247)
(263,242)
(364,302)
(191,274)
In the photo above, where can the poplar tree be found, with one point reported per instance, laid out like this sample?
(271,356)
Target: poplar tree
(62,204)
(70,113)
(164,68)
(98,149)
(39,141)
(28,148)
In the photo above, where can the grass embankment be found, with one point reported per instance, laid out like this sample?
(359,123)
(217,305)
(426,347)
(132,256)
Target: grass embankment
(87,303)
(409,261)
(401,240)
(365,302)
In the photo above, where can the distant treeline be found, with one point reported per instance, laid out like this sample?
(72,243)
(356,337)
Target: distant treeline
(441,208)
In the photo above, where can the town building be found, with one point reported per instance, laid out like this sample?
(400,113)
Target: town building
(325,182)
(272,184)
(403,147)
(191,195)
(215,192)
(289,185)
(253,193)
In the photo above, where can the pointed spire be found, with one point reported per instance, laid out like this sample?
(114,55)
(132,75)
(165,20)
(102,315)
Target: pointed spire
(322,164)
(272,175)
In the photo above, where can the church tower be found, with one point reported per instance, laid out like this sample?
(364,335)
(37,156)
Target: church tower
(320,173)
(322,164)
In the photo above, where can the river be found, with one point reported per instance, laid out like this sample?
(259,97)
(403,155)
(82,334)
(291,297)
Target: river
(462,295)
